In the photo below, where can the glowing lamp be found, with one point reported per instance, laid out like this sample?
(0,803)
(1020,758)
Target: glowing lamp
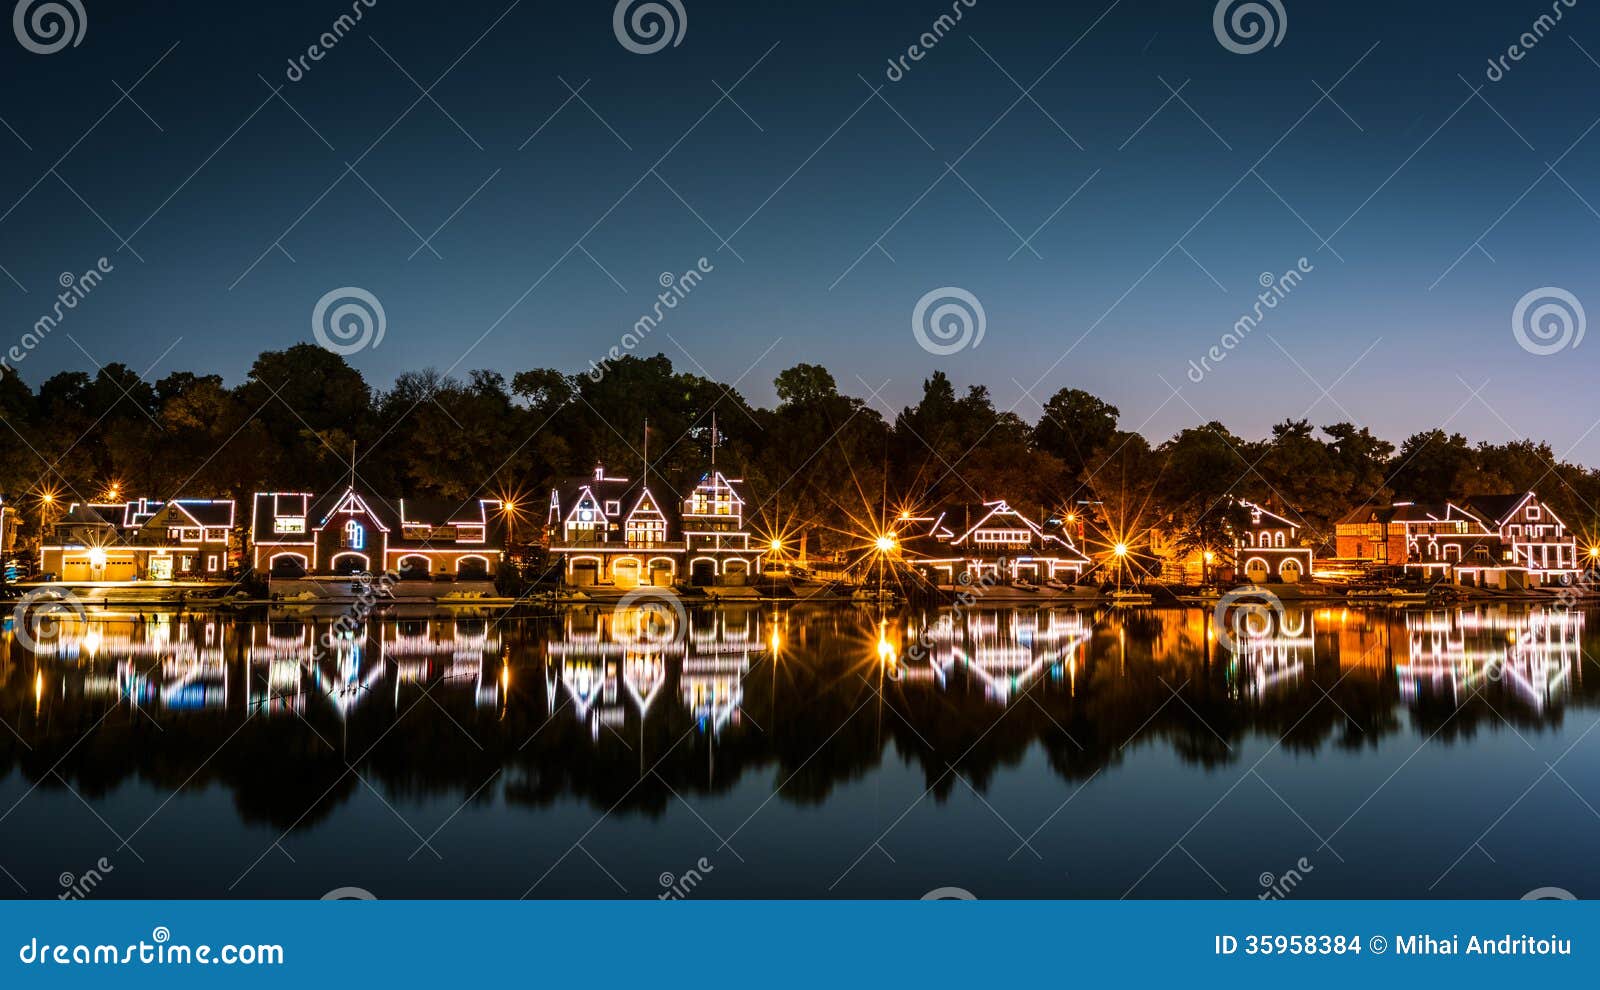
(776,546)
(1594,552)
(1210,556)
(885,544)
(1121,549)
(97,557)
(509,506)
(50,499)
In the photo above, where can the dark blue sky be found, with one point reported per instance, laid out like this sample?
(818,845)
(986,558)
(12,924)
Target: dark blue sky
(1124,291)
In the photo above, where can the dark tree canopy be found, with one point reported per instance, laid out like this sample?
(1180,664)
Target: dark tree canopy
(822,460)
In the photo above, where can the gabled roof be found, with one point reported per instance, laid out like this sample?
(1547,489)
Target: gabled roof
(569,491)
(383,511)
(953,526)
(209,513)
(445,511)
(1497,510)
(715,480)
(92,514)
(1256,507)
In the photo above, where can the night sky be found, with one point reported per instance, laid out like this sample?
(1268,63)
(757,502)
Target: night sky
(825,213)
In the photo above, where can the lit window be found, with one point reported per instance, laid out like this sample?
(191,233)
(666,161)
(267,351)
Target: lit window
(355,535)
(290,524)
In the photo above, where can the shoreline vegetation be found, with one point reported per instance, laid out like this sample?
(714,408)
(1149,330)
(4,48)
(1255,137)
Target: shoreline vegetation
(820,461)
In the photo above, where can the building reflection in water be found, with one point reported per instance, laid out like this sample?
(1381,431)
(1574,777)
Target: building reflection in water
(1462,651)
(609,667)
(1003,650)
(605,661)
(1273,649)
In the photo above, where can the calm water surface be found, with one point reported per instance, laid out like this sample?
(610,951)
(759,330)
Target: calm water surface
(806,752)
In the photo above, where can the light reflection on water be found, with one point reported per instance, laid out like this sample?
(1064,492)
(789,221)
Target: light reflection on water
(763,715)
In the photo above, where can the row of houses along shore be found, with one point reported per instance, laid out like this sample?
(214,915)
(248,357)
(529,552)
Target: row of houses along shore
(602,531)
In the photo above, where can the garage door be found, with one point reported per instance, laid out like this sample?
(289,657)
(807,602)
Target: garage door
(120,569)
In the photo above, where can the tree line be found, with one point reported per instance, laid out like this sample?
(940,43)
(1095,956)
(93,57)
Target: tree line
(819,460)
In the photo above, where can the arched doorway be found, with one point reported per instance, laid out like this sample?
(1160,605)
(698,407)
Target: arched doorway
(414,568)
(1256,570)
(662,572)
(350,563)
(625,573)
(1291,570)
(703,571)
(288,565)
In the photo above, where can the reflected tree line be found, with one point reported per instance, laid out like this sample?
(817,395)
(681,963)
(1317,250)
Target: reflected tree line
(617,709)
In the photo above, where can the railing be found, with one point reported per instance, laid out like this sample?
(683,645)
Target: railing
(560,546)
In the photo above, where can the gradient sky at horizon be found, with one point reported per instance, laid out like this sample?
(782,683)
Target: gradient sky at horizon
(552,247)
